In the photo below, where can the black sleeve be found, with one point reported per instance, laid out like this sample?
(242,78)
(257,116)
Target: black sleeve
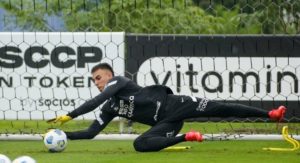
(98,125)
(111,88)
(105,116)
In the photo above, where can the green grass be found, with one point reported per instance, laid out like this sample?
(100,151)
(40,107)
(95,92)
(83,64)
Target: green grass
(205,127)
(122,151)
(90,151)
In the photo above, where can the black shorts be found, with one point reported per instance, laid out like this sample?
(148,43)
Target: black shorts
(180,107)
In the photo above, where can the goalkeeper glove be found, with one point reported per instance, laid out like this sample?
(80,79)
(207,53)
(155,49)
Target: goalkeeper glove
(62,119)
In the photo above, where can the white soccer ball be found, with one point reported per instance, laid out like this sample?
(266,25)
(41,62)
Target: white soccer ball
(4,159)
(24,159)
(55,140)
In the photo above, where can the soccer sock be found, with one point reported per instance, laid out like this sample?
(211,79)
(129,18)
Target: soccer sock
(236,110)
(89,133)
(79,135)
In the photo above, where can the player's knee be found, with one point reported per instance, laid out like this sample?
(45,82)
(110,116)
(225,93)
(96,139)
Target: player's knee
(140,145)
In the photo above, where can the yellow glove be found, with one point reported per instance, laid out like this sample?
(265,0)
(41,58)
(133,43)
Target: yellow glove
(62,119)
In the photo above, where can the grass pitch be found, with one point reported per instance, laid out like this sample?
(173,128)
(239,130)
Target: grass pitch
(30,126)
(118,151)
(122,151)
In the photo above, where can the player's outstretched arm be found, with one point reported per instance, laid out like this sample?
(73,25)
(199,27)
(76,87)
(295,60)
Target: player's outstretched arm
(113,86)
(62,119)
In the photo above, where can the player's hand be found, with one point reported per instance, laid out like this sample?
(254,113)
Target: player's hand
(62,119)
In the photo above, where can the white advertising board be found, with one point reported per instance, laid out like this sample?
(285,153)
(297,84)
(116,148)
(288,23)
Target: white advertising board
(230,78)
(47,74)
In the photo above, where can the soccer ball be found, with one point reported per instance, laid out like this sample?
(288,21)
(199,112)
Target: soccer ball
(4,159)
(24,159)
(55,140)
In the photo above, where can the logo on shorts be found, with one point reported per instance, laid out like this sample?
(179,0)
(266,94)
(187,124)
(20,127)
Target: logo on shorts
(202,104)
(170,134)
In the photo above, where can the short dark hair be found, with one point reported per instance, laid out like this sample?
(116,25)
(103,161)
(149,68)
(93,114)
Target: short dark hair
(104,66)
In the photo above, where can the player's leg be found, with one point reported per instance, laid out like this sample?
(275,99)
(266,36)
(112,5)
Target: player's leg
(221,109)
(159,136)
(182,107)
(89,133)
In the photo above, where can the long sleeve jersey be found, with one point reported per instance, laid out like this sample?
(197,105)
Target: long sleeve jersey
(125,98)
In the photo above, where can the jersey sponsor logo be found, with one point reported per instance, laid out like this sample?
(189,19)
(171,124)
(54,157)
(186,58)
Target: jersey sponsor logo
(131,106)
(127,109)
(158,104)
(202,104)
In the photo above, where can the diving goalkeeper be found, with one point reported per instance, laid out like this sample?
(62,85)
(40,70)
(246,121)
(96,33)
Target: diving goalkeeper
(155,106)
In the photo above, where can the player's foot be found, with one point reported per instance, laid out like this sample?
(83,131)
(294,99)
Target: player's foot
(193,136)
(277,114)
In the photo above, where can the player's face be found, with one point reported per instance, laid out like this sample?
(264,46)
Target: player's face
(101,77)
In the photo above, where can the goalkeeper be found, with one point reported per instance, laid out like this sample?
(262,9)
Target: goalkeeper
(155,106)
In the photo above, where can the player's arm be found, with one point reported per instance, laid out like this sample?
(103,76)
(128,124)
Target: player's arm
(98,125)
(111,88)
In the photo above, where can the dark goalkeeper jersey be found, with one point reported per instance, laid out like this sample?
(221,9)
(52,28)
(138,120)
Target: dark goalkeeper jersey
(124,98)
